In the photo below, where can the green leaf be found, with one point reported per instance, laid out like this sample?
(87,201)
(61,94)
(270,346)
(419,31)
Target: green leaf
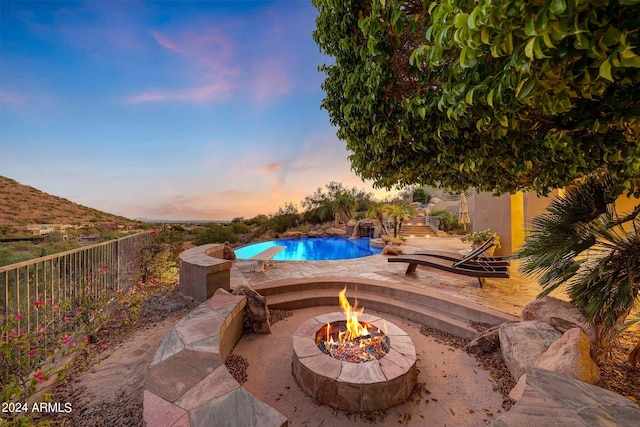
(557,6)
(471,21)
(530,27)
(547,40)
(485,35)
(460,20)
(605,70)
(629,59)
(524,88)
(423,112)
(469,97)
(581,42)
(528,49)
(490,97)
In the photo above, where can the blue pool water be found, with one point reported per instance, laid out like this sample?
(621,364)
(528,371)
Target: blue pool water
(312,249)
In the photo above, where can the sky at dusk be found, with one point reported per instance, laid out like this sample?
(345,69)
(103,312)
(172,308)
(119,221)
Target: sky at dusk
(168,109)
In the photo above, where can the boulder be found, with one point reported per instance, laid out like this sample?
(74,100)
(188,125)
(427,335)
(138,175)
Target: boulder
(441,233)
(256,313)
(486,343)
(562,315)
(550,399)
(570,356)
(392,240)
(316,233)
(392,250)
(228,252)
(523,342)
(291,234)
(336,231)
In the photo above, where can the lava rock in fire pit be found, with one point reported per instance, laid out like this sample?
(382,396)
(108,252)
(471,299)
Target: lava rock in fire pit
(256,313)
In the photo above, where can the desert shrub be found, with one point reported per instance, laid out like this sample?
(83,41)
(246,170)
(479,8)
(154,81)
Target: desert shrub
(215,233)
(287,217)
(239,227)
(448,221)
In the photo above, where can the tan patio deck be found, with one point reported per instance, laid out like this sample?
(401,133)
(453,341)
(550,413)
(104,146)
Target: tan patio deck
(506,295)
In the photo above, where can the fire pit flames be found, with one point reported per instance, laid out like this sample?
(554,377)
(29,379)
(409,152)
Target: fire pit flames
(351,340)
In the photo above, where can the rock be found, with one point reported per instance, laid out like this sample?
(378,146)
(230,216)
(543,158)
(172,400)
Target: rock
(336,232)
(570,356)
(518,390)
(256,313)
(562,315)
(486,343)
(316,233)
(292,234)
(228,252)
(441,233)
(552,399)
(523,342)
(392,240)
(392,250)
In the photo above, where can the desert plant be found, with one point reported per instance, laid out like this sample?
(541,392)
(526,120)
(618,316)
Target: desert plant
(287,217)
(448,221)
(400,212)
(479,237)
(581,244)
(215,233)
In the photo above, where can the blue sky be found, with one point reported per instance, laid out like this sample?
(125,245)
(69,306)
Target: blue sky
(170,109)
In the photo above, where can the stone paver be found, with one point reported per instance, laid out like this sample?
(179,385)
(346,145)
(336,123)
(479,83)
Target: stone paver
(187,382)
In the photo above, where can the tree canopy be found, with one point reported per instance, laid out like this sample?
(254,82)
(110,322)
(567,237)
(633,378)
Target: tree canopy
(323,205)
(498,95)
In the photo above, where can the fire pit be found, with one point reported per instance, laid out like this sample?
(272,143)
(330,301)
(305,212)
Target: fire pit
(354,361)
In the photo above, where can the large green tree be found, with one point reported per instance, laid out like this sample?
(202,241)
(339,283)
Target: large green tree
(500,95)
(322,205)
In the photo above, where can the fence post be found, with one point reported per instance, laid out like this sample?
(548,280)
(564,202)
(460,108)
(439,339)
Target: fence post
(118,275)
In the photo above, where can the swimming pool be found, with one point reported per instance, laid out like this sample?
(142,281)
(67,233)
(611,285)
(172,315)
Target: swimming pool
(312,249)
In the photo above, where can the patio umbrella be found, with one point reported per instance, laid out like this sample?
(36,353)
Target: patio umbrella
(463,213)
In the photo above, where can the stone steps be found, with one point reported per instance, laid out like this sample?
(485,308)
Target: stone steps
(416,227)
(429,308)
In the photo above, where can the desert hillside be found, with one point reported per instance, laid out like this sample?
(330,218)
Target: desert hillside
(22,206)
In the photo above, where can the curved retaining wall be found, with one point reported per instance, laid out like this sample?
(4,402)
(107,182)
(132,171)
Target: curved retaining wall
(203,271)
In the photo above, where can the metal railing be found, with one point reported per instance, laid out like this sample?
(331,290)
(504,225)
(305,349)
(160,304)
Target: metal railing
(39,296)
(433,223)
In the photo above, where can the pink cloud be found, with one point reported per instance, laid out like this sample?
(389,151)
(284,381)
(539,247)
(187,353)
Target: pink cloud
(11,98)
(207,55)
(273,167)
(270,78)
(211,93)
(165,42)
(206,51)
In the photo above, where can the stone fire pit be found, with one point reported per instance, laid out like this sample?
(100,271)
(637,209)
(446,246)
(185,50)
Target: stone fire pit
(358,387)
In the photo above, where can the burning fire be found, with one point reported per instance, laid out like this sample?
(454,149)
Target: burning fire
(356,343)
(354,327)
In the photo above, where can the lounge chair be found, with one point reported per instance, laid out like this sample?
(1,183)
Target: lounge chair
(472,264)
(479,255)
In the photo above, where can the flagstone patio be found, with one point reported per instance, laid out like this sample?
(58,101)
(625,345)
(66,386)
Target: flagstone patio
(506,295)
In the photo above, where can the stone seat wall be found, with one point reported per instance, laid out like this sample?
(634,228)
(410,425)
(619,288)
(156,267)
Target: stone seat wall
(187,383)
(203,271)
